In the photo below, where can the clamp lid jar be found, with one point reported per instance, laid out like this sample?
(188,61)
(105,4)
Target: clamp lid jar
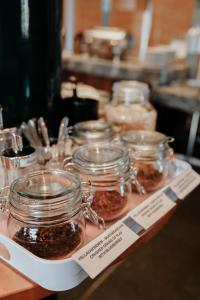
(107,168)
(130,91)
(46,213)
(152,156)
(92,132)
(130,108)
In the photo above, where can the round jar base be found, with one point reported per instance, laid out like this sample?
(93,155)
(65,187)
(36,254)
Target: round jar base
(50,242)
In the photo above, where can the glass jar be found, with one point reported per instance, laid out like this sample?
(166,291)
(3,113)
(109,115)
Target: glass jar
(152,157)
(130,108)
(46,213)
(91,132)
(106,169)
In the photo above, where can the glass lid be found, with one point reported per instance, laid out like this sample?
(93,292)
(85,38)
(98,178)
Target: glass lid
(145,138)
(132,84)
(93,130)
(45,185)
(100,156)
(131,90)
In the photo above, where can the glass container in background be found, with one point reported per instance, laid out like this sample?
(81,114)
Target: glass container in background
(130,108)
(152,157)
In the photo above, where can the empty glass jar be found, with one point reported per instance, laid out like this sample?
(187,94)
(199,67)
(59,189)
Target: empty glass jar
(130,108)
(92,132)
(152,156)
(105,169)
(46,213)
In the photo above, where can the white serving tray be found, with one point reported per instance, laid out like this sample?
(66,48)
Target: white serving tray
(56,275)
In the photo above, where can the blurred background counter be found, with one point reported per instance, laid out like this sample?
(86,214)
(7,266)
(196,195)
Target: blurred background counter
(177,102)
(91,70)
(156,42)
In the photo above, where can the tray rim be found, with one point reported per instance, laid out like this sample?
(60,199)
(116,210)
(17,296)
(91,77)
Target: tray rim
(69,262)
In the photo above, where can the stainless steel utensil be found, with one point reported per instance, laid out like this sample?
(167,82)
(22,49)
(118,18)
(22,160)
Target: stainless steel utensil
(34,133)
(17,144)
(44,131)
(26,132)
(62,133)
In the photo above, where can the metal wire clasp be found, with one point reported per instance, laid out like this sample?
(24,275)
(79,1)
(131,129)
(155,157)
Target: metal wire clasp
(88,212)
(139,187)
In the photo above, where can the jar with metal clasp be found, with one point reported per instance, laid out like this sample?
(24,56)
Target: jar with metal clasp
(130,108)
(46,213)
(152,156)
(93,131)
(106,167)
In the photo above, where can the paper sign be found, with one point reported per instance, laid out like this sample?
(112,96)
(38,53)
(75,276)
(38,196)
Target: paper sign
(152,209)
(102,251)
(185,183)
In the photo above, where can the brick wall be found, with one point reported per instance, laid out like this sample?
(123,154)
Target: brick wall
(171,18)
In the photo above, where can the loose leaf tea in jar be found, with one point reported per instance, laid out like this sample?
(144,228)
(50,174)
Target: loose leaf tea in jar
(46,213)
(152,157)
(108,204)
(106,167)
(52,241)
